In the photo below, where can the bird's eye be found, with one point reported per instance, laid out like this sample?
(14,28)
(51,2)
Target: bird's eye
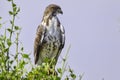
(58,9)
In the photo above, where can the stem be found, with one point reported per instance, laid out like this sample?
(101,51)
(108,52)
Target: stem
(64,62)
(17,47)
(13,19)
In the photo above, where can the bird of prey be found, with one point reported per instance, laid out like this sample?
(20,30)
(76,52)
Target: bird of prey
(50,36)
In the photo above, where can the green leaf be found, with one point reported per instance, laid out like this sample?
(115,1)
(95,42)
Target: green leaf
(14,67)
(73,76)
(59,70)
(10,12)
(11,62)
(9,30)
(14,5)
(17,28)
(18,10)
(70,70)
(0,18)
(66,78)
(0,25)
(25,55)
(9,42)
(14,9)
(6,49)
(22,48)
(9,0)
(15,57)
(11,22)
(21,64)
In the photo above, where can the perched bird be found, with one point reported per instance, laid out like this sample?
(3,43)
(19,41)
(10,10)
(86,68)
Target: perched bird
(50,36)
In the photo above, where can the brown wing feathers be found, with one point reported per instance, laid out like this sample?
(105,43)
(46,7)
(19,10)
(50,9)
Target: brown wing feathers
(37,43)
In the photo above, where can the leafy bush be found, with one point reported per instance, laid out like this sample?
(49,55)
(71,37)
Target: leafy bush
(13,66)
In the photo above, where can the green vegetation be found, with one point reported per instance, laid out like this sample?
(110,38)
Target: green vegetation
(13,65)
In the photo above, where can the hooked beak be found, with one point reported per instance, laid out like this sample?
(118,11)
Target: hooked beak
(60,11)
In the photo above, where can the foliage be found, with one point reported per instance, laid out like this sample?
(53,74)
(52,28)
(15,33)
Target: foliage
(13,65)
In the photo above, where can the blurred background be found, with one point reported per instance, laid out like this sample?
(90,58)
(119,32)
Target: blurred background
(92,29)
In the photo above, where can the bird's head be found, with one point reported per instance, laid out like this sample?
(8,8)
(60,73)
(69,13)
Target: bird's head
(52,10)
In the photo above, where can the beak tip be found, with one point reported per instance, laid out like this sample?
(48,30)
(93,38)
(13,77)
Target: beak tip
(61,12)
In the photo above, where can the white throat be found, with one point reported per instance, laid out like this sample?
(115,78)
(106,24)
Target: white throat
(52,27)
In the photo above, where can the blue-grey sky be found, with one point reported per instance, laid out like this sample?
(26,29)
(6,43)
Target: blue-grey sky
(92,28)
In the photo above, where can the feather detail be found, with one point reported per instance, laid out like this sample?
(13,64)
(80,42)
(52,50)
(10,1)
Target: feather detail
(50,36)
